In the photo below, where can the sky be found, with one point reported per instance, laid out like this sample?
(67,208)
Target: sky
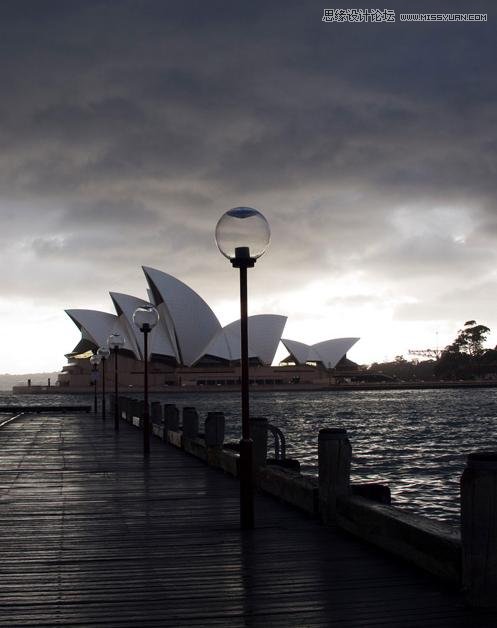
(128,127)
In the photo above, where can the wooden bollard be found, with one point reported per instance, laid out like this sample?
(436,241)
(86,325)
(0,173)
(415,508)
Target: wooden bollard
(130,410)
(214,429)
(137,407)
(156,412)
(479,529)
(190,422)
(258,433)
(141,410)
(123,403)
(120,406)
(334,455)
(171,417)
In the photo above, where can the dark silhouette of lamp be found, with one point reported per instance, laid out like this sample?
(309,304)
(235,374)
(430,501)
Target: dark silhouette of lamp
(94,361)
(104,354)
(243,235)
(146,318)
(115,342)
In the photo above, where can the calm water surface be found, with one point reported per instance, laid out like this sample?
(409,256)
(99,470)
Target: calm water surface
(416,441)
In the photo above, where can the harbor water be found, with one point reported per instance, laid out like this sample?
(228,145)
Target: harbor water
(416,441)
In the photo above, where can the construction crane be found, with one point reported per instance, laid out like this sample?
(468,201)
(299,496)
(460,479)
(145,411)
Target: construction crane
(433,354)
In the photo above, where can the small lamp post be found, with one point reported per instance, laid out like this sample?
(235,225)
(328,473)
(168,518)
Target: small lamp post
(243,235)
(94,361)
(146,318)
(115,342)
(104,353)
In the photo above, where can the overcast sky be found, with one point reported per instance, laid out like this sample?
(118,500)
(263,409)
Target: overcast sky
(129,126)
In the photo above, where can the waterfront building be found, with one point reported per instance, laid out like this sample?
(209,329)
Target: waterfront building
(190,348)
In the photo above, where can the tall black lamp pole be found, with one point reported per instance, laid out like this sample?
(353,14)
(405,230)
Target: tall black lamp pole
(104,353)
(243,235)
(146,318)
(115,341)
(94,361)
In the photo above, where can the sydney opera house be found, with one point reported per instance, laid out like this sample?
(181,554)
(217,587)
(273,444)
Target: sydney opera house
(189,348)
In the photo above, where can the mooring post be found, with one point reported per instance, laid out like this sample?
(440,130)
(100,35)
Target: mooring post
(156,412)
(335,455)
(171,418)
(479,529)
(123,404)
(130,409)
(258,432)
(214,429)
(190,422)
(156,419)
(144,412)
(136,410)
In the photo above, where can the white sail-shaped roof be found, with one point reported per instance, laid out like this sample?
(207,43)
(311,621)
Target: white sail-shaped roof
(226,345)
(189,321)
(298,350)
(329,352)
(94,325)
(188,329)
(264,332)
(159,342)
(220,347)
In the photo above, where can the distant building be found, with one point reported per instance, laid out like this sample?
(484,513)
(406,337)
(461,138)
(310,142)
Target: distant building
(190,348)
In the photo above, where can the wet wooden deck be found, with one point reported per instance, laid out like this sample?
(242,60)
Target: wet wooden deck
(90,536)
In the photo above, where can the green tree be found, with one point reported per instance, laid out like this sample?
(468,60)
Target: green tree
(471,337)
(462,358)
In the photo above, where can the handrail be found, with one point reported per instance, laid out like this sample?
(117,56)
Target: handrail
(279,442)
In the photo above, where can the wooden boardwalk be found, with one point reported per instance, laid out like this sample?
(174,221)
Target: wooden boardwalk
(91,536)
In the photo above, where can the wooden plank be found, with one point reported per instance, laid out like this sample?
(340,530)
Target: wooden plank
(90,535)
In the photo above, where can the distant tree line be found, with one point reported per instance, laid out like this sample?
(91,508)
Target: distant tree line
(464,358)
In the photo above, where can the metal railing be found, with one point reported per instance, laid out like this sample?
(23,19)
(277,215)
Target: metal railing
(279,442)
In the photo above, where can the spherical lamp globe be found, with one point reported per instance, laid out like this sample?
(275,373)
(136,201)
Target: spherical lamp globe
(115,341)
(242,232)
(103,352)
(146,318)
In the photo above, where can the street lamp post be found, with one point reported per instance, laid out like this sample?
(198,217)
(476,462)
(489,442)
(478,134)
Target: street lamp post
(115,341)
(146,318)
(94,361)
(243,235)
(104,353)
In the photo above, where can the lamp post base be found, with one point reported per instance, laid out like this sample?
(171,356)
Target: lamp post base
(146,437)
(246,484)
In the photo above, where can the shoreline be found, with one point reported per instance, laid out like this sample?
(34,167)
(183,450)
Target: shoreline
(56,390)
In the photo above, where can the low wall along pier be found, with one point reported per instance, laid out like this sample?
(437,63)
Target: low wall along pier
(465,558)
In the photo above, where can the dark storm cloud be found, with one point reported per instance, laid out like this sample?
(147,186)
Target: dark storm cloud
(127,128)
(110,212)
